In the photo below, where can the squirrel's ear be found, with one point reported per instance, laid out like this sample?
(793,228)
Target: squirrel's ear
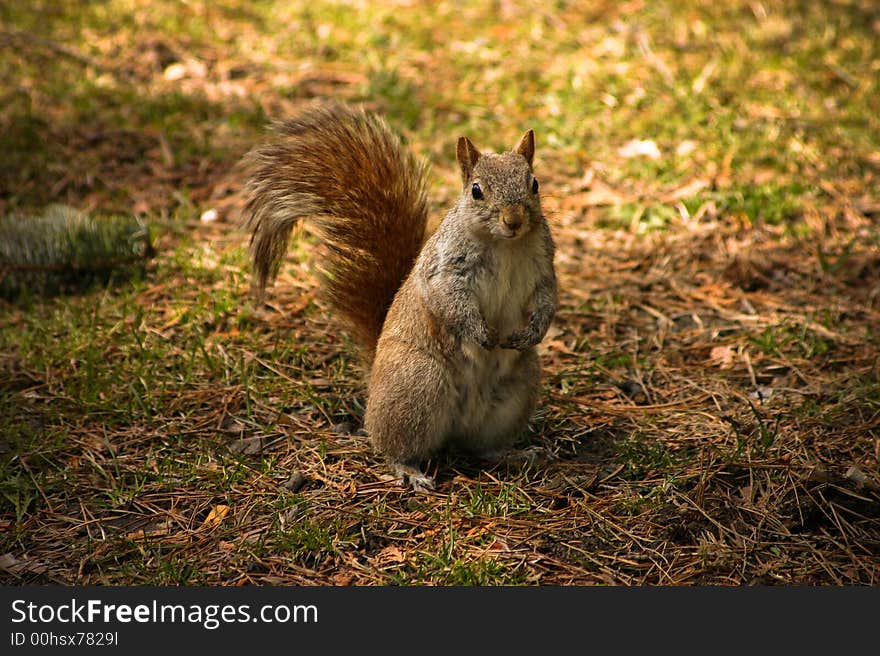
(467,157)
(526,146)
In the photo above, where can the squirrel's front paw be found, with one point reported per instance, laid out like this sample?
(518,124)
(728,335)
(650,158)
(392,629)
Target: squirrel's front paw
(520,340)
(489,339)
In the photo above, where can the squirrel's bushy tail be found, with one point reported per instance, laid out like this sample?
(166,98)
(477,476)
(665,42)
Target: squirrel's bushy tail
(347,172)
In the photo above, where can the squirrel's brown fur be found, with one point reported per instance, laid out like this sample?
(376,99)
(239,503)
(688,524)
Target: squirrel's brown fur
(374,229)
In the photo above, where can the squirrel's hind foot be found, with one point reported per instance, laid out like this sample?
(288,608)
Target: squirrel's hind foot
(413,476)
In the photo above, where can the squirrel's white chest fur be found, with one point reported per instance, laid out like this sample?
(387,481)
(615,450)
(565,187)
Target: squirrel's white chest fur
(503,292)
(505,288)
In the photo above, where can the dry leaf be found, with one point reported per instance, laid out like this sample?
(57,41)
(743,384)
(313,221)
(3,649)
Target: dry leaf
(16,567)
(390,554)
(8,562)
(639,148)
(689,190)
(342,578)
(861,478)
(686,147)
(217,514)
(153,530)
(246,445)
(559,345)
(722,356)
(175,71)
(762,393)
(498,545)
(598,194)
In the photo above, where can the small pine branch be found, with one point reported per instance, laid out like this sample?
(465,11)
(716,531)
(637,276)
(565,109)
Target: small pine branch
(63,250)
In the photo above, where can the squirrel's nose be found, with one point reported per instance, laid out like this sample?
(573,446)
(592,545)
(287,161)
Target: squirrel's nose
(512,217)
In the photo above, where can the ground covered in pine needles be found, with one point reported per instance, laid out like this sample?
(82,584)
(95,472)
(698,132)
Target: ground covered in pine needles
(711,399)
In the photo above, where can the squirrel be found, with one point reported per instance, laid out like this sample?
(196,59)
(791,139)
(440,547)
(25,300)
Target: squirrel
(446,324)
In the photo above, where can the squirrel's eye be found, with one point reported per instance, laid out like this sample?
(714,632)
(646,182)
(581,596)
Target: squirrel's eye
(534,185)
(476,192)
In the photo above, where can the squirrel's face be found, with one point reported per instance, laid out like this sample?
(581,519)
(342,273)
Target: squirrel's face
(500,189)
